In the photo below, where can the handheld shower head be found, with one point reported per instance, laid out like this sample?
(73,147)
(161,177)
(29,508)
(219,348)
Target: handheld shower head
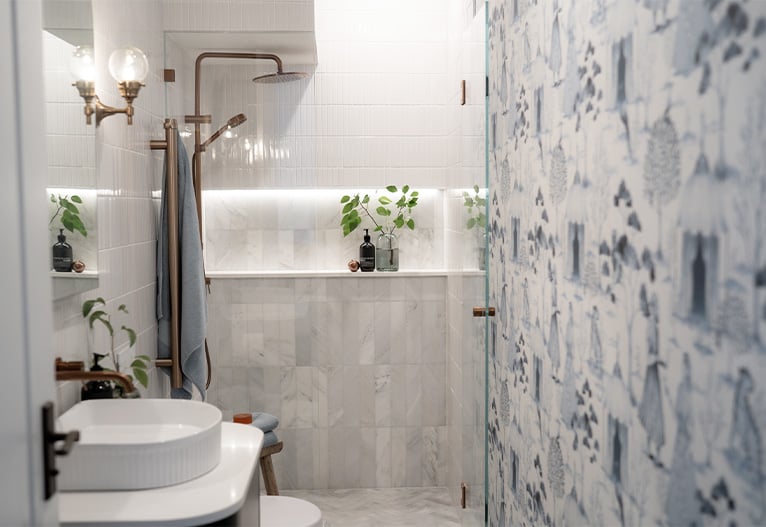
(236,120)
(231,123)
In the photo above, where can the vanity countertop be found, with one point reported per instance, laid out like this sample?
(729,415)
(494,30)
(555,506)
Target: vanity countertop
(210,497)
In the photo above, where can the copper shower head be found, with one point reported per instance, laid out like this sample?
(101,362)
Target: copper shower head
(280,77)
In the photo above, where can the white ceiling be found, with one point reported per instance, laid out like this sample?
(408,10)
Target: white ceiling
(293,47)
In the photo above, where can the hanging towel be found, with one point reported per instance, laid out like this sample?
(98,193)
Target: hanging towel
(192,284)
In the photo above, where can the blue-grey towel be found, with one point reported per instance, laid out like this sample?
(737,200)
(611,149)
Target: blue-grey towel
(192,284)
(266,422)
(269,438)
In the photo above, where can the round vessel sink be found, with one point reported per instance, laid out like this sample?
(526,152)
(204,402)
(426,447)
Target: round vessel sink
(128,444)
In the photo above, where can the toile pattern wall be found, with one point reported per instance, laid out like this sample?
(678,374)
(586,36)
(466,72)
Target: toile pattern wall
(627,175)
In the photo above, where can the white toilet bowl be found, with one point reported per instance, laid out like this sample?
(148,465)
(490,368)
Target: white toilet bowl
(284,511)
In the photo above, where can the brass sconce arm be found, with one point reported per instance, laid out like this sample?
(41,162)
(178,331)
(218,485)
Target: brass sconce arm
(129,91)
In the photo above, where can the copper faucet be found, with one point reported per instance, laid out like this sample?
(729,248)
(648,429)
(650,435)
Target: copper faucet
(75,371)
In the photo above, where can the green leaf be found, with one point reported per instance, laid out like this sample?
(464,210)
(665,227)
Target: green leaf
(414,194)
(344,199)
(468,202)
(71,207)
(131,335)
(384,200)
(53,198)
(406,189)
(88,305)
(138,364)
(142,377)
(391,188)
(383,211)
(76,198)
(399,222)
(378,229)
(476,188)
(481,202)
(145,358)
(470,223)
(122,308)
(411,224)
(347,208)
(402,202)
(366,199)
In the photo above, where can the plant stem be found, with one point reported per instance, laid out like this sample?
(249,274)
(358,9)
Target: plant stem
(369,215)
(55,214)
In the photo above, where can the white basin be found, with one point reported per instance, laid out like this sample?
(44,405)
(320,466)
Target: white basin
(128,444)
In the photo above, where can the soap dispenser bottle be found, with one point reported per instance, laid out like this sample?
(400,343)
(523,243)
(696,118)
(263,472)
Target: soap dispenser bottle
(367,254)
(97,389)
(62,254)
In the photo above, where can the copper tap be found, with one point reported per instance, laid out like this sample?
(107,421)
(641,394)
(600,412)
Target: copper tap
(75,371)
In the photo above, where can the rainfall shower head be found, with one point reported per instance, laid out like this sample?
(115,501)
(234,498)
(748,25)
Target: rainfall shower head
(231,123)
(280,77)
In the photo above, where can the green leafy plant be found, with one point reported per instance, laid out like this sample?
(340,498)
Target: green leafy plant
(93,314)
(394,213)
(476,205)
(68,212)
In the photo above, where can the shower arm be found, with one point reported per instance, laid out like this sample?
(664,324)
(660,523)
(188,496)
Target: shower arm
(198,118)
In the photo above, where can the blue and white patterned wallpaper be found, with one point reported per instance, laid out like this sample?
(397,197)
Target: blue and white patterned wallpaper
(628,224)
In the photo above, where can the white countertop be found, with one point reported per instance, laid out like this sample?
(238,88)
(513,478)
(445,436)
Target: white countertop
(208,498)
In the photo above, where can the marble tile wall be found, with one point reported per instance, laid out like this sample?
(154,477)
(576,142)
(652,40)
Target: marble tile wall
(355,367)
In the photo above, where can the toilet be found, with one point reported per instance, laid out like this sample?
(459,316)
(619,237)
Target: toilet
(284,511)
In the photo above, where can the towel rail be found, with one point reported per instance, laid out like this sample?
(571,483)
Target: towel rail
(170,145)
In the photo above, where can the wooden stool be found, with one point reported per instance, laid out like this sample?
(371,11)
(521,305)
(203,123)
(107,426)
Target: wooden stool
(267,468)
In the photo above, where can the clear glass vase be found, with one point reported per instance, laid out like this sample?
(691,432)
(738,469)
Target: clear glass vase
(387,252)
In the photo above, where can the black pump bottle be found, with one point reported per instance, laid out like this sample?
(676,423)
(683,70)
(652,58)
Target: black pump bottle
(367,254)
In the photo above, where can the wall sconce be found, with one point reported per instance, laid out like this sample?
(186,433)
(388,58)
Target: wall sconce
(129,68)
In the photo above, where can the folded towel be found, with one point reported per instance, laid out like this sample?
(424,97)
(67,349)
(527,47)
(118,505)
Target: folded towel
(269,438)
(192,285)
(266,422)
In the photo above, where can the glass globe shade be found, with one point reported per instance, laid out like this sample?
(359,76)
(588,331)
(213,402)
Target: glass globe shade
(128,64)
(82,64)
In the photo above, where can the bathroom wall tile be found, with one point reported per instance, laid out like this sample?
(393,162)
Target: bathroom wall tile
(399,448)
(414,396)
(399,399)
(383,458)
(365,329)
(413,471)
(335,388)
(367,457)
(413,326)
(367,395)
(398,338)
(383,396)
(433,394)
(382,332)
(304,453)
(320,411)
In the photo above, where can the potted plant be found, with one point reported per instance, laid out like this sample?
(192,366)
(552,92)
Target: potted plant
(140,362)
(393,213)
(69,216)
(477,221)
